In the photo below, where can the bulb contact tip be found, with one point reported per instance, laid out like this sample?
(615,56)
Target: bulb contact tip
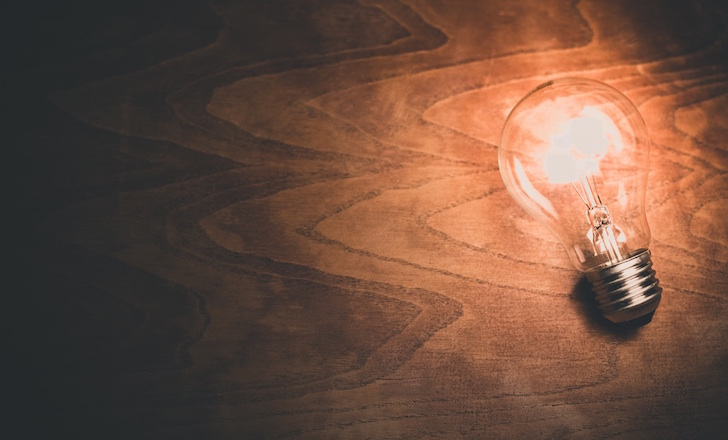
(627,291)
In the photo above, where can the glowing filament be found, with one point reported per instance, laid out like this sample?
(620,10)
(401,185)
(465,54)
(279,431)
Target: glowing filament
(573,157)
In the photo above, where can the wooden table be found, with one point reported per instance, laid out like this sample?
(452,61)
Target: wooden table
(285,219)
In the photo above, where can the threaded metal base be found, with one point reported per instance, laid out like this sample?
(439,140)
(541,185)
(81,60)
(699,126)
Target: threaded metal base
(628,290)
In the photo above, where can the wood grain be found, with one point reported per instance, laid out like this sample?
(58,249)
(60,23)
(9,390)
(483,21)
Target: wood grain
(285,219)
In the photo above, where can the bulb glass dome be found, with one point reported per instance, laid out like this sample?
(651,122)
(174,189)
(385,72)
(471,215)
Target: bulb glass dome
(572,153)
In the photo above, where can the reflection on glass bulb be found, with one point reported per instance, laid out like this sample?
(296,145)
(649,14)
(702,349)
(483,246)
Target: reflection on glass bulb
(574,154)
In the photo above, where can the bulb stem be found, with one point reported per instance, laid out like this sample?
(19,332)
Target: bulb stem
(627,290)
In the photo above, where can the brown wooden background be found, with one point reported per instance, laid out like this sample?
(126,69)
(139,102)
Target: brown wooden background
(285,219)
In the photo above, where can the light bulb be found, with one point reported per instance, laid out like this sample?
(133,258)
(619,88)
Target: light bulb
(574,153)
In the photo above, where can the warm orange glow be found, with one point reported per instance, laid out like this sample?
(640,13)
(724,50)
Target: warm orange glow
(576,150)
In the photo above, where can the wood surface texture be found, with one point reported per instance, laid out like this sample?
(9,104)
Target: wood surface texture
(285,219)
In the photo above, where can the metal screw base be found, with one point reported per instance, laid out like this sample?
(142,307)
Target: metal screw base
(628,290)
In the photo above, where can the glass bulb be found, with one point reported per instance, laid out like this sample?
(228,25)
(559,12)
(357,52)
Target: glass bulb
(574,153)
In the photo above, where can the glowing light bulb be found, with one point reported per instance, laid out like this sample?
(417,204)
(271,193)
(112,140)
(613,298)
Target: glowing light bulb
(574,153)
